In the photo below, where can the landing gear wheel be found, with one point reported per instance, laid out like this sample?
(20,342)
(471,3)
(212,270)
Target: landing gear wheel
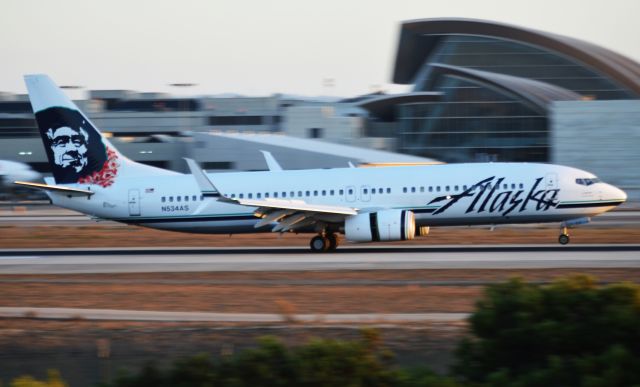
(333,242)
(563,239)
(319,244)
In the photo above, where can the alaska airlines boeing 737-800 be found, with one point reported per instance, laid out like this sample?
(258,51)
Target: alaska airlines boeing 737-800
(364,204)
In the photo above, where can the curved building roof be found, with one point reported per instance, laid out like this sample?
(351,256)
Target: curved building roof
(418,39)
(539,94)
(383,106)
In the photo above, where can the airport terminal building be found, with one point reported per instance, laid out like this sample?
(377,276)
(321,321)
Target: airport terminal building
(481,91)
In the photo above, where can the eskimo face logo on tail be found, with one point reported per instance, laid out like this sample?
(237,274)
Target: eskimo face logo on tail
(486,196)
(75,149)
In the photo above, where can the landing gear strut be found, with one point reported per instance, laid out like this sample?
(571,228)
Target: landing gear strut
(324,242)
(563,239)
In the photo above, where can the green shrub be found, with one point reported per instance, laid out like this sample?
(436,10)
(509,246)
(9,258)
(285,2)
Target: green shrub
(570,333)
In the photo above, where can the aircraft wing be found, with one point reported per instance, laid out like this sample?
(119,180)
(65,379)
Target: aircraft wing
(293,214)
(296,205)
(288,214)
(56,188)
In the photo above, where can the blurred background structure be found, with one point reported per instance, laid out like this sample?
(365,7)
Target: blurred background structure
(481,91)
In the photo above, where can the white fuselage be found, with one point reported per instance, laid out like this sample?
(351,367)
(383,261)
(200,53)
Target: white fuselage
(447,195)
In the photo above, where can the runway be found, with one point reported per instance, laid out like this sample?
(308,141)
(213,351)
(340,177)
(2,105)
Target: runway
(140,260)
(139,315)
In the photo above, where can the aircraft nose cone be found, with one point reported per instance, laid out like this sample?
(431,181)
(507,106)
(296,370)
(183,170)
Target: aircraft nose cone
(617,193)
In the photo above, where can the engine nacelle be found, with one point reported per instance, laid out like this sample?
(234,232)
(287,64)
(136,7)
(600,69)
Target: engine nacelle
(386,225)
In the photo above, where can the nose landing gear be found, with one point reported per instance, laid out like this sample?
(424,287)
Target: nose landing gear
(563,239)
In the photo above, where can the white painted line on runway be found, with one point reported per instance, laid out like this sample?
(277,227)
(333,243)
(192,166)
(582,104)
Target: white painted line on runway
(139,315)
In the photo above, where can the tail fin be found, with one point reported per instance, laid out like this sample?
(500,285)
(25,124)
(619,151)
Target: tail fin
(77,151)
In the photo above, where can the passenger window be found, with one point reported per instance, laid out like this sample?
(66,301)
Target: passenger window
(365,191)
(178,198)
(233,196)
(350,191)
(171,199)
(241,196)
(380,190)
(505,186)
(201,197)
(284,194)
(258,195)
(331,192)
(300,193)
(513,186)
(250,196)
(421,189)
(266,195)
(438,188)
(373,191)
(194,198)
(521,186)
(275,194)
(404,189)
(292,194)
(315,193)
(447,188)
(388,190)
(430,189)
(186,198)
(308,193)
(163,199)
(413,189)
(455,188)
(324,192)
(341,192)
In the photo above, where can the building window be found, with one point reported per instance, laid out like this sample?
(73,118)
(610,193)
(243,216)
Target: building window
(316,133)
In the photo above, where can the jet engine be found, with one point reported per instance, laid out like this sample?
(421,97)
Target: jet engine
(386,225)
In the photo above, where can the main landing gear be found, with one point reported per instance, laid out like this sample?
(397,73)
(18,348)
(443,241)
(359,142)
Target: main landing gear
(324,242)
(563,239)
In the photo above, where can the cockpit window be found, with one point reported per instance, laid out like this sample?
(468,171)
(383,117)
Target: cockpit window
(588,181)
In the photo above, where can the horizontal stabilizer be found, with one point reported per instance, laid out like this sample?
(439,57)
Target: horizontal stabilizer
(56,188)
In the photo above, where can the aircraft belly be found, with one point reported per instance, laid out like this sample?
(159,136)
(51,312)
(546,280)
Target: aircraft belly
(209,227)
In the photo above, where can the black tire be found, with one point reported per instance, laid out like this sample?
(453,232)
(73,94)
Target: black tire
(319,244)
(563,239)
(333,242)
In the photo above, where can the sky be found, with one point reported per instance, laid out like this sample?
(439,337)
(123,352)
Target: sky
(260,47)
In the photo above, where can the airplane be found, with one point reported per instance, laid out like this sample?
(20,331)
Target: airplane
(364,204)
